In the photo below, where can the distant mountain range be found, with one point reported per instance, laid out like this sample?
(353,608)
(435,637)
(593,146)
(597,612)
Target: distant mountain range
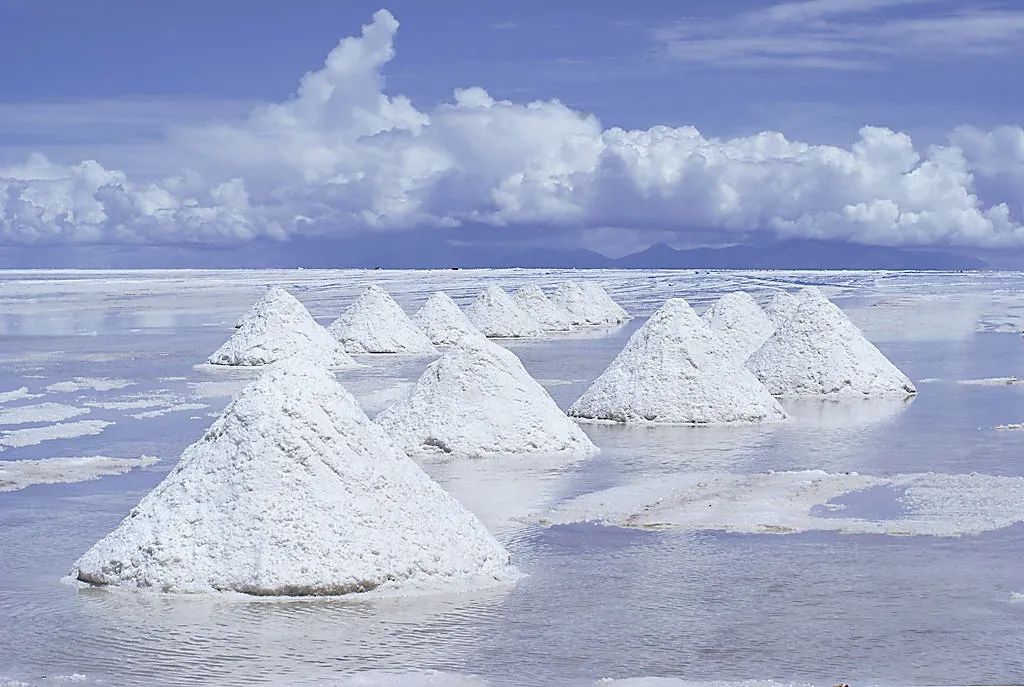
(410,251)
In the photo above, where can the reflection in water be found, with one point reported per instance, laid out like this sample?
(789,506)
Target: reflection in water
(845,413)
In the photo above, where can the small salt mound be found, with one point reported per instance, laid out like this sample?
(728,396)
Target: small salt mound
(478,400)
(375,323)
(551,318)
(583,307)
(817,350)
(742,326)
(294,491)
(671,372)
(277,327)
(614,312)
(495,314)
(443,321)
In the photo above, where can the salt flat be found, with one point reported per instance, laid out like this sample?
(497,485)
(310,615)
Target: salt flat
(690,603)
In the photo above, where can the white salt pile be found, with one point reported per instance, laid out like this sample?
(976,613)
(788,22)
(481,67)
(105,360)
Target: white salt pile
(817,350)
(551,318)
(294,491)
(781,306)
(614,312)
(586,307)
(671,372)
(495,314)
(277,327)
(18,474)
(478,400)
(375,323)
(742,326)
(443,321)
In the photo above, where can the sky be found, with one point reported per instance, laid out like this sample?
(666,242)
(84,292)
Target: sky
(602,125)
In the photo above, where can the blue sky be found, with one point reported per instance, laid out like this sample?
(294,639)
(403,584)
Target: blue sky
(149,91)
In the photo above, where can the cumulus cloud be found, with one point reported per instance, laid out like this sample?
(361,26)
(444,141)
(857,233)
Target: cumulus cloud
(344,156)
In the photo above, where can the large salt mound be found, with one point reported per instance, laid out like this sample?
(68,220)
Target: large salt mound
(600,298)
(375,323)
(782,306)
(443,321)
(277,327)
(742,326)
(495,314)
(478,400)
(551,318)
(816,350)
(671,372)
(584,307)
(294,491)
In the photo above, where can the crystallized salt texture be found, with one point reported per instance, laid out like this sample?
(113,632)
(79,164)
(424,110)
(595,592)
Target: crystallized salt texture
(551,318)
(584,307)
(495,314)
(478,400)
(294,491)
(671,372)
(613,312)
(781,306)
(817,351)
(375,323)
(443,321)
(742,326)
(277,327)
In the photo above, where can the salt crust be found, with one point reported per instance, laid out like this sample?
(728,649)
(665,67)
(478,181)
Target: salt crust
(294,491)
(31,436)
(18,474)
(375,323)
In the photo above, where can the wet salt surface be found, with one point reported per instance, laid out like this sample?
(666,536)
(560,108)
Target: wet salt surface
(817,607)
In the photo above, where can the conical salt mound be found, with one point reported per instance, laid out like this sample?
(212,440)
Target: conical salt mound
(613,312)
(781,306)
(671,372)
(816,350)
(495,314)
(277,327)
(582,306)
(478,400)
(742,326)
(443,321)
(551,318)
(375,323)
(294,491)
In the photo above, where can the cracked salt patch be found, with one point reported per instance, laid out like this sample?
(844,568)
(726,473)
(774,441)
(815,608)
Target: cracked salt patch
(18,438)
(18,474)
(16,394)
(41,412)
(90,383)
(177,408)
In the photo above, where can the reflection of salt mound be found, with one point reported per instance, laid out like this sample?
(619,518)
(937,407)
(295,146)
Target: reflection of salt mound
(277,327)
(551,318)
(742,326)
(375,323)
(495,314)
(587,306)
(479,400)
(294,491)
(443,321)
(671,372)
(817,350)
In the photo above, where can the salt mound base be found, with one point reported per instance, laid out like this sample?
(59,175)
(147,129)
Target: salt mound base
(294,491)
(533,301)
(742,326)
(478,400)
(671,372)
(375,323)
(495,314)
(443,321)
(276,327)
(586,306)
(817,350)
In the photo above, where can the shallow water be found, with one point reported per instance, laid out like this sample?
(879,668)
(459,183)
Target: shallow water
(599,601)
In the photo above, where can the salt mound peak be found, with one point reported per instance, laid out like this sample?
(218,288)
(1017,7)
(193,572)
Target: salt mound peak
(375,323)
(613,311)
(294,491)
(495,314)
(441,319)
(478,400)
(742,326)
(278,326)
(551,318)
(817,350)
(782,305)
(584,307)
(671,371)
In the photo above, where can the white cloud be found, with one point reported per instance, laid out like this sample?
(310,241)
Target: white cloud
(343,156)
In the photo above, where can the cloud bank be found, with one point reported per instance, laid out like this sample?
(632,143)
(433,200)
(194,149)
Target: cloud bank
(342,156)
